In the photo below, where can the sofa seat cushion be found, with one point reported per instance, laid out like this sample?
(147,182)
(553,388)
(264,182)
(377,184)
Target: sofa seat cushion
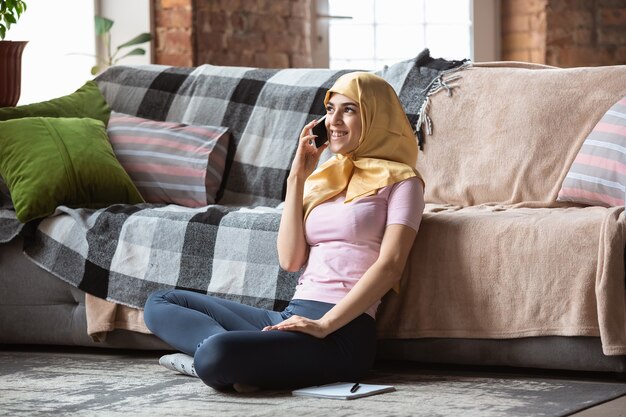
(475,272)
(30,289)
(37,307)
(491,272)
(508,134)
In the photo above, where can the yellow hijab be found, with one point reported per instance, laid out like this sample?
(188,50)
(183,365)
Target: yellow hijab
(387,150)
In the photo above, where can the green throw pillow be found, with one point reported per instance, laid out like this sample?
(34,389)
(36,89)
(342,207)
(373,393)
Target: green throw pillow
(87,101)
(47,162)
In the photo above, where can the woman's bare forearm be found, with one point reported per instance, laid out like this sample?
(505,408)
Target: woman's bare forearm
(293,250)
(373,285)
(291,243)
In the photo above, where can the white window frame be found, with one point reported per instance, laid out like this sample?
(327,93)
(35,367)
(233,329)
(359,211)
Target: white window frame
(52,68)
(56,60)
(484,32)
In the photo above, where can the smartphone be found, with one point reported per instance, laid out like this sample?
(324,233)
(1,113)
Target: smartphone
(320,130)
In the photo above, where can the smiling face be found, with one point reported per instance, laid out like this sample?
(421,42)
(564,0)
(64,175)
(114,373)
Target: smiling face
(343,123)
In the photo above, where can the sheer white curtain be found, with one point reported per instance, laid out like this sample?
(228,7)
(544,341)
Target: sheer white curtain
(57,33)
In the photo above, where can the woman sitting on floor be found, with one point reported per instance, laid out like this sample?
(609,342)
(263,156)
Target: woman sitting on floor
(352,222)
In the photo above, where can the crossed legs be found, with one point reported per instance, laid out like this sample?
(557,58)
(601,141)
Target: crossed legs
(228,346)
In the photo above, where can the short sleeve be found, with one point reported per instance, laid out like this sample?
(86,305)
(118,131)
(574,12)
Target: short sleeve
(406,203)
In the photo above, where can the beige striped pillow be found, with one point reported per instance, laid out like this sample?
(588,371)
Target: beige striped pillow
(598,174)
(170,163)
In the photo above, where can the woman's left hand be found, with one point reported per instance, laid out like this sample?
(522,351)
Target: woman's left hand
(301,324)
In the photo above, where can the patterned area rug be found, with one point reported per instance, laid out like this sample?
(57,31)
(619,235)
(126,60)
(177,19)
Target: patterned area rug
(105,383)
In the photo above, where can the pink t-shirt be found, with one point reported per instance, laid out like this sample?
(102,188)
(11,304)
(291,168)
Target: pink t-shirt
(345,239)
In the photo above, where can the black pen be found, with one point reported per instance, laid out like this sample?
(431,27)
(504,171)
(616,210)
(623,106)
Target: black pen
(354,388)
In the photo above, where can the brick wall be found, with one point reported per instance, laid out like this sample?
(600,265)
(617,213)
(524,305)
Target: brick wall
(524,30)
(173,27)
(277,33)
(259,33)
(564,33)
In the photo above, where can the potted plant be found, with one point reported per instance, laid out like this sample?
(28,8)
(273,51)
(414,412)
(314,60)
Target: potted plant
(10,53)
(105,57)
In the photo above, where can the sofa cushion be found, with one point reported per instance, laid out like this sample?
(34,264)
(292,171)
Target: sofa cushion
(87,101)
(509,133)
(170,162)
(37,307)
(598,174)
(48,162)
(496,273)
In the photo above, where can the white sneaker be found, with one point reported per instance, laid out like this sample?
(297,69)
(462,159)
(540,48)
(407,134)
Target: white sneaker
(179,362)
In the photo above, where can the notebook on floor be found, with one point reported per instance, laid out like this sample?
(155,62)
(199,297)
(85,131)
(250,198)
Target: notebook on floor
(341,391)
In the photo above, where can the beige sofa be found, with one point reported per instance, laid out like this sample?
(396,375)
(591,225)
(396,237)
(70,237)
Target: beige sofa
(501,273)
(511,261)
(497,257)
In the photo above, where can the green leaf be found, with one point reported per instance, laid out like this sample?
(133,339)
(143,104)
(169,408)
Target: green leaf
(95,69)
(144,37)
(136,51)
(10,18)
(3,31)
(103,25)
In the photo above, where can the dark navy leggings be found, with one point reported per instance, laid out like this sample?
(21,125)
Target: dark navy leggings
(228,346)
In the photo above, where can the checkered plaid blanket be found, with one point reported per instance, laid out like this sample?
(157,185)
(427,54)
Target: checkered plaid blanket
(10,227)
(124,252)
(264,110)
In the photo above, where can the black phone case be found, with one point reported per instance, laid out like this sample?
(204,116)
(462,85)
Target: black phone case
(322,135)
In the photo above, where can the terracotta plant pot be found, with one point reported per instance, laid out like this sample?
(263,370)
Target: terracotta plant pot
(10,72)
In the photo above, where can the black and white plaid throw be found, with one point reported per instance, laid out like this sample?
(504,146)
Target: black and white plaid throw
(10,227)
(264,109)
(124,252)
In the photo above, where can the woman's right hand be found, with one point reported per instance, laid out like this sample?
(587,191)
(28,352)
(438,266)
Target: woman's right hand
(307,154)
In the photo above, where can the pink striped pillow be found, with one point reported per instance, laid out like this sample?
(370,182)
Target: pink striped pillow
(598,174)
(170,162)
